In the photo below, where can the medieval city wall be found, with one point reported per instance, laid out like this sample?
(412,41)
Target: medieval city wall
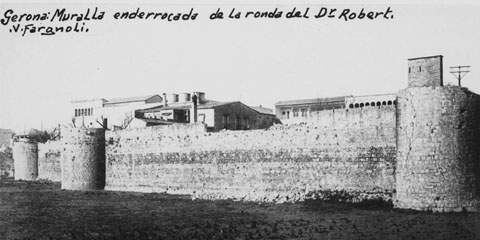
(422,153)
(83,159)
(49,159)
(438,158)
(25,155)
(345,151)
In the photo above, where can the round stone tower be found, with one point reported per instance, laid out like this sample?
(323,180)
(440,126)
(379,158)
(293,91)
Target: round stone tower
(438,149)
(25,157)
(83,159)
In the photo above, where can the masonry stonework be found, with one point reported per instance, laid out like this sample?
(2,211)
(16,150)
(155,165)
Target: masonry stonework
(421,152)
(83,159)
(349,151)
(49,161)
(25,156)
(425,71)
(438,149)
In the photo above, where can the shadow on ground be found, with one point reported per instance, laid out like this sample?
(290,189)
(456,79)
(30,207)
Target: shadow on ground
(40,210)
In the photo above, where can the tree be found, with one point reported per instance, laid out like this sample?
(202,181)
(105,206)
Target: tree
(44,136)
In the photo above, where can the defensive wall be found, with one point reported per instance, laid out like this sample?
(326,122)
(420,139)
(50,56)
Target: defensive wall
(350,151)
(438,149)
(423,152)
(83,159)
(49,159)
(25,155)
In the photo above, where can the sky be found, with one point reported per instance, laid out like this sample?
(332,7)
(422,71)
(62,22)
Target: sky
(256,61)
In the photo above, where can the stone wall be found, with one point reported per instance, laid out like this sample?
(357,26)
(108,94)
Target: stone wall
(347,151)
(438,159)
(25,157)
(83,158)
(49,157)
(6,165)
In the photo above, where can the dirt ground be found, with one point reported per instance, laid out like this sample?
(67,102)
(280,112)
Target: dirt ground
(40,210)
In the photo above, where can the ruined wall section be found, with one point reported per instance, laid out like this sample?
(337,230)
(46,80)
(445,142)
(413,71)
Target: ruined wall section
(83,159)
(438,149)
(347,150)
(25,157)
(49,161)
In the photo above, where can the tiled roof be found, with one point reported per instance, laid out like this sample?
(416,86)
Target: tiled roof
(130,99)
(169,107)
(312,101)
(212,104)
(89,100)
(263,110)
(373,95)
(186,105)
(157,121)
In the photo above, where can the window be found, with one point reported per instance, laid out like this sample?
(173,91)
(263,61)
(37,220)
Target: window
(419,68)
(304,112)
(237,122)
(409,69)
(76,112)
(225,121)
(295,113)
(288,114)
(201,117)
(246,126)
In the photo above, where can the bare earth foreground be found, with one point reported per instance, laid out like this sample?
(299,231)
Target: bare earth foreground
(40,210)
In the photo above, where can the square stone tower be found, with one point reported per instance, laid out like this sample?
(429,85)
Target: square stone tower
(425,71)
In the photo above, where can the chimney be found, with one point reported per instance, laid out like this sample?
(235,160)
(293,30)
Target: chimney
(164,99)
(195,105)
(200,97)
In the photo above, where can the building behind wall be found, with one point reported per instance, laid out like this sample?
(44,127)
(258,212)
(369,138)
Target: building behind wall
(422,72)
(295,111)
(371,100)
(102,113)
(214,114)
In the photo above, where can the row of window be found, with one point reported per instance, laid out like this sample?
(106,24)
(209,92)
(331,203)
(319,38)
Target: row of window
(410,69)
(303,112)
(83,112)
(372,104)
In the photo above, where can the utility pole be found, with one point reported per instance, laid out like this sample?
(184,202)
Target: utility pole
(459,72)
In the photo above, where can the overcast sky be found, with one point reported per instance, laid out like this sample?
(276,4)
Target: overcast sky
(256,61)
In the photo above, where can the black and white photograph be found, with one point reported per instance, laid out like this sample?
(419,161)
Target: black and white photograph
(239,119)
